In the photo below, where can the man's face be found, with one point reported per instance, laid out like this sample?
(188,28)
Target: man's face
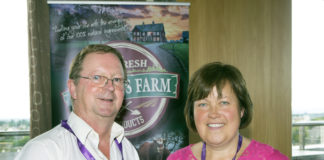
(91,100)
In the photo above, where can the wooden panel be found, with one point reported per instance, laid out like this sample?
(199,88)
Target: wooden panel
(255,36)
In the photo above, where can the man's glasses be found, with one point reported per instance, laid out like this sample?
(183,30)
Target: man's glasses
(101,81)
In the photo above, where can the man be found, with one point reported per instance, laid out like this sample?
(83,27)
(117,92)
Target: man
(97,81)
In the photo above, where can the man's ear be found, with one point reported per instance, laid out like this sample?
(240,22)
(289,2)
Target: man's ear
(72,88)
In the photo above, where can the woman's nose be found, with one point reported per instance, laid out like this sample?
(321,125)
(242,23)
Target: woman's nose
(213,111)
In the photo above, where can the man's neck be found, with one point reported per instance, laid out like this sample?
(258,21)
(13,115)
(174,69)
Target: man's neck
(103,128)
(102,125)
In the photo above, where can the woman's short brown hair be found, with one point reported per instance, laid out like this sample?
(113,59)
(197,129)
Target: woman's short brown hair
(217,74)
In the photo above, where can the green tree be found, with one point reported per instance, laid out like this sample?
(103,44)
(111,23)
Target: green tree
(21,141)
(296,135)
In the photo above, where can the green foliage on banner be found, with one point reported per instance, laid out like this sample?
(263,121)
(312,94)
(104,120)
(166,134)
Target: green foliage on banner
(180,50)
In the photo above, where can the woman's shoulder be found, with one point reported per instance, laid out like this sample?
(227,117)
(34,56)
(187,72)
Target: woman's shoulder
(258,150)
(182,154)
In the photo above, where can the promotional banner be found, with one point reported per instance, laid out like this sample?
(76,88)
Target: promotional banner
(153,39)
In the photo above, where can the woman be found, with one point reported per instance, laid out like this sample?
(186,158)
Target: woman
(218,105)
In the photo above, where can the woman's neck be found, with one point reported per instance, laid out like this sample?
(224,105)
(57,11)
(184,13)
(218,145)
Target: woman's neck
(219,151)
(222,151)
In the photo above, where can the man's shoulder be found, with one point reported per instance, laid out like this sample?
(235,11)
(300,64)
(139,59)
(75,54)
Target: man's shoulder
(53,135)
(128,143)
(129,150)
(44,145)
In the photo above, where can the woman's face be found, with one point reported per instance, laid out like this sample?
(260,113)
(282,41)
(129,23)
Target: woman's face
(217,119)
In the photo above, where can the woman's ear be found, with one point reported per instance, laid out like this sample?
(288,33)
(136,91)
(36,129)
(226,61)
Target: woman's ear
(72,88)
(242,112)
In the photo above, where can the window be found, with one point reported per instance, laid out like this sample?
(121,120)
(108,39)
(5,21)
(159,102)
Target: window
(14,81)
(307,79)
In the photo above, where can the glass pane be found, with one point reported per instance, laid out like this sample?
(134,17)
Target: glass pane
(14,81)
(13,136)
(307,79)
(11,145)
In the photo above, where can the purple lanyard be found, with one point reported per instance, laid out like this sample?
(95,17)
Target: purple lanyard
(203,151)
(82,148)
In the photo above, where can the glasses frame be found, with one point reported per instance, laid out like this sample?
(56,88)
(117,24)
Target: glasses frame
(91,78)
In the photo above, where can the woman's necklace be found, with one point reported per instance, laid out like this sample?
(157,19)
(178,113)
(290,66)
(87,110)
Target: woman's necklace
(203,151)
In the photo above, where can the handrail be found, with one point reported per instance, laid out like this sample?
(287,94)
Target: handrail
(15,133)
(301,126)
(309,123)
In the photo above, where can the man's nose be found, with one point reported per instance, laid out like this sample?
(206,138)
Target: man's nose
(109,85)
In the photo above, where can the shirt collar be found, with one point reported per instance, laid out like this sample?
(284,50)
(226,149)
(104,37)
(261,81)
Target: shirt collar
(79,127)
(117,131)
(82,129)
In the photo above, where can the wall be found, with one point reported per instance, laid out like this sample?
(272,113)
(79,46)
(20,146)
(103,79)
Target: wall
(255,36)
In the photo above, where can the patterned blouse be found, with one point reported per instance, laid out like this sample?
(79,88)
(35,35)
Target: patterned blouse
(255,151)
